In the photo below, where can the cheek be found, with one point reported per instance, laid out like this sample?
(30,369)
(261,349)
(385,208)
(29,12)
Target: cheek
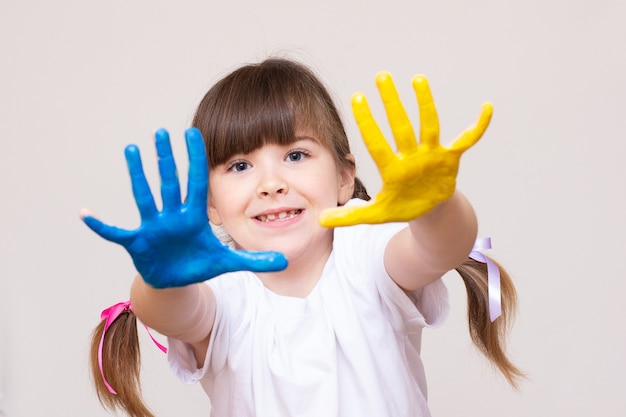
(326,190)
(228,201)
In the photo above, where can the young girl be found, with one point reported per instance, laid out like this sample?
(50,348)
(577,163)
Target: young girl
(294,315)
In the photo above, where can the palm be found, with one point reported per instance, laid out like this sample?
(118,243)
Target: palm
(175,246)
(418,176)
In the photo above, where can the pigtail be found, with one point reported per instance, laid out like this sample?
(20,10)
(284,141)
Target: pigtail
(490,337)
(359,190)
(121,364)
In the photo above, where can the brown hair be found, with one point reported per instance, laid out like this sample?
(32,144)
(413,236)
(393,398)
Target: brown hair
(260,104)
(266,103)
(121,365)
(490,337)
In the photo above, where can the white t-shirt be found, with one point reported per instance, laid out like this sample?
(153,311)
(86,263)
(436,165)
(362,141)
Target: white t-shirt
(350,348)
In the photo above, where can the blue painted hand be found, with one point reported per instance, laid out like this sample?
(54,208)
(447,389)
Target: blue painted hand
(176,246)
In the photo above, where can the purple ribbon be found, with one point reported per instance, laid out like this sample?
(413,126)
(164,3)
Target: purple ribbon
(110,314)
(493,276)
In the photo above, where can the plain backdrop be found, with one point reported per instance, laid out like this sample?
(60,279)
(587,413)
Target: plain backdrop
(80,79)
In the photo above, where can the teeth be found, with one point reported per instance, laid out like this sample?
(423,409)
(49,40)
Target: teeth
(283,215)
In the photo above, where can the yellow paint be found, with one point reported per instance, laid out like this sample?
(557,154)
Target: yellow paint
(417,177)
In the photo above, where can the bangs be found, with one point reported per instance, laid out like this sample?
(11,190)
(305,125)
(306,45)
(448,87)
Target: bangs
(257,106)
(268,103)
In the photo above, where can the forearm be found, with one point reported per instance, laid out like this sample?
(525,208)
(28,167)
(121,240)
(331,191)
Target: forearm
(185,313)
(445,236)
(432,244)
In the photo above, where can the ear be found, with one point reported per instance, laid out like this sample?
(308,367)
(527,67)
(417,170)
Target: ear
(346,181)
(214,216)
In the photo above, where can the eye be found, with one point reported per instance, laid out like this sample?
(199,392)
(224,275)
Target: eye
(297,155)
(238,166)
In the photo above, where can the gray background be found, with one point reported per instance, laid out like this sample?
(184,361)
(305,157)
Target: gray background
(80,79)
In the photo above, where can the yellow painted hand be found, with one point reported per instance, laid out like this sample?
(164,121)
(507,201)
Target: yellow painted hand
(418,176)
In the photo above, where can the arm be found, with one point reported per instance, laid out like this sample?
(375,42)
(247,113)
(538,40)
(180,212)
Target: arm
(432,244)
(419,187)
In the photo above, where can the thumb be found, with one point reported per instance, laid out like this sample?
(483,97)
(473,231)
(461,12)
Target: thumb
(110,233)
(349,216)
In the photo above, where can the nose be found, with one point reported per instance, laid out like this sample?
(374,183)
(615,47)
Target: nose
(272,184)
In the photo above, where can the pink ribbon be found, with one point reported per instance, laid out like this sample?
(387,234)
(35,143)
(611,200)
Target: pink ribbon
(110,314)
(493,276)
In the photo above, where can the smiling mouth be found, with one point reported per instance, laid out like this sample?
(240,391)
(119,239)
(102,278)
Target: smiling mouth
(282,216)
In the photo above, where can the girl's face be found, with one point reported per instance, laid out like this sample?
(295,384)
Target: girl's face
(271,198)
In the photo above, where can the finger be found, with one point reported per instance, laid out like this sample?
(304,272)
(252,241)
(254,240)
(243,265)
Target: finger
(398,120)
(240,260)
(197,187)
(110,233)
(258,261)
(469,137)
(349,216)
(429,121)
(372,136)
(141,189)
(170,187)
